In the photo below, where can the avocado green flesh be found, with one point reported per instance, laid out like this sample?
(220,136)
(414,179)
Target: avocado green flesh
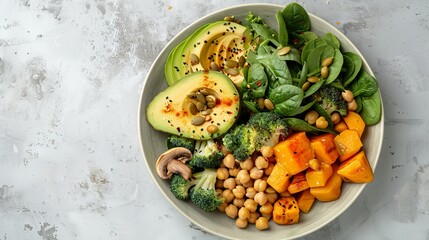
(206,43)
(169,110)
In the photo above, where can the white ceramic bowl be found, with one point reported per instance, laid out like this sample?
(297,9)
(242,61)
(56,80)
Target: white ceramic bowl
(153,142)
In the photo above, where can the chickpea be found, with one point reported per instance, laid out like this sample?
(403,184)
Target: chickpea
(251,205)
(261,162)
(241,223)
(222,207)
(352,106)
(267,216)
(260,185)
(219,191)
(267,208)
(267,151)
(253,217)
(251,192)
(238,202)
(224,150)
(239,191)
(347,95)
(321,122)
(229,183)
(269,169)
(261,198)
(256,173)
(335,118)
(314,164)
(228,195)
(311,117)
(262,223)
(248,184)
(219,184)
(222,173)
(243,176)
(272,197)
(231,211)
(247,164)
(233,172)
(270,189)
(243,213)
(229,161)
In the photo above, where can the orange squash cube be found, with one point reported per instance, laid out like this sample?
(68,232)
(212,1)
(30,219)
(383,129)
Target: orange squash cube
(279,178)
(340,127)
(356,169)
(324,148)
(305,200)
(294,153)
(332,189)
(348,143)
(286,211)
(318,178)
(298,184)
(355,121)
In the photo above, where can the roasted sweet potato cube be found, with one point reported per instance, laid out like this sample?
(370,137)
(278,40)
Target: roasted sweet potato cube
(279,178)
(354,121)
(340,127)
(305,200)
(356,169)
(332,189)
(318,178)
(286,211)
(294,153)
(348,143)
(324,148)
(298,183)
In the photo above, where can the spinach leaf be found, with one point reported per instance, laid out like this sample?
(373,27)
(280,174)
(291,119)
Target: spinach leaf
(308,36)
(252,106)
(301,109)
(357,66)
(276,70)
(283,35)
(303,75)
(293,55)
(358,100)
(322,112)
(371,109)
(349,67)
(299,125)
(316,56)
(265,33)
(286,98)
(257,80)
(313,88)
(296,18)
(332,40)
(335,67)
(310,46)
(365,85)
(296,40)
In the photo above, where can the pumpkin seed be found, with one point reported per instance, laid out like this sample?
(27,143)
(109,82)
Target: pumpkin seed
(305,86)
(200,97)
(204,92)
(283,51)
(193,108)
(231,63)
(327,61)
(198,120)
(211,101)
(194,59)
(212,128)
(241,61)
(208,118)
(261,103)
(232,71)
(200,106)
(214,66)
(206,112)
(191,95)
(268,104)
(229,18)
(324,72)
(313,79)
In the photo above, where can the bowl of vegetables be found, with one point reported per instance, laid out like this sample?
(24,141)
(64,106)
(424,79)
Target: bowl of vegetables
(261,121)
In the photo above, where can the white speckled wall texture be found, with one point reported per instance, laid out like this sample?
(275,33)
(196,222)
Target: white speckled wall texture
(70,79)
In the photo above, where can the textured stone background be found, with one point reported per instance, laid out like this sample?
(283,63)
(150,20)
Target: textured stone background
(70,78)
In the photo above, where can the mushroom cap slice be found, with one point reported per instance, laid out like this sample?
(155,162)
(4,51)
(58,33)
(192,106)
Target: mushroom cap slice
(174,161)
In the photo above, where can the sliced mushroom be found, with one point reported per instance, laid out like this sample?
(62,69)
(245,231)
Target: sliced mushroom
(173,161)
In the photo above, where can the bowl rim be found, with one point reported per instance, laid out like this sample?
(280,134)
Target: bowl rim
(198,22)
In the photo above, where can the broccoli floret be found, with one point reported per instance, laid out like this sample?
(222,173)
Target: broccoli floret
(206,154)
(203,194)
(180,186)
(330,99)
(242,141)
(262,129)
(176,141)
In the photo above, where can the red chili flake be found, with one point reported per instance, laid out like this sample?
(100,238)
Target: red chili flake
(258,83)
(296,41)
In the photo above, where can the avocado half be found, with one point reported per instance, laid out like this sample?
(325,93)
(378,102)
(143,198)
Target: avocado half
(215,42)
(170,110)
